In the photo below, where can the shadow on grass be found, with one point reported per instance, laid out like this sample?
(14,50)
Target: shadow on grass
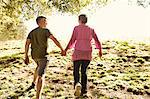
(7,61)
(18,94)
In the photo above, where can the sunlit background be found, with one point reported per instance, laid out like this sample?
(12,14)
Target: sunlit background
(118,20)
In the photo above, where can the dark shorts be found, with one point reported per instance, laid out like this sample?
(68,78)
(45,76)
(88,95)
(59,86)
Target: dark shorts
(41,66)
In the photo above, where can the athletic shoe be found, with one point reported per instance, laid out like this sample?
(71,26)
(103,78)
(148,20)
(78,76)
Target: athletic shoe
(77,90)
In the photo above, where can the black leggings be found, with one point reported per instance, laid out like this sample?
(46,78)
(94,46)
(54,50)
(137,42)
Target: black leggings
(84,64)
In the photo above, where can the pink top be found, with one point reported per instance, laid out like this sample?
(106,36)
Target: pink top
(81,41)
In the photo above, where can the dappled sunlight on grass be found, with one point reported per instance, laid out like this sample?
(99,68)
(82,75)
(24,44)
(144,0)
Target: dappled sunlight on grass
(123,72)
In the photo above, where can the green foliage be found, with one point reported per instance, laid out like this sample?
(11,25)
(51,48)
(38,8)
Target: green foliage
(73,6)
(13,12)
(29,8)
(11,28)
(23,8)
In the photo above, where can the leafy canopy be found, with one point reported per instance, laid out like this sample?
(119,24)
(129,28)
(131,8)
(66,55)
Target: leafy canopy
(13,12)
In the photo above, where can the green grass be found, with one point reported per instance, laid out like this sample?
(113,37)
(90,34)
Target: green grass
(123,70)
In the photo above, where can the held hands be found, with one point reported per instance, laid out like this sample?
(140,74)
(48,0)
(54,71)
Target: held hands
(63,53)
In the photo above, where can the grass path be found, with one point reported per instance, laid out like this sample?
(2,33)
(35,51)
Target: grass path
(122,73)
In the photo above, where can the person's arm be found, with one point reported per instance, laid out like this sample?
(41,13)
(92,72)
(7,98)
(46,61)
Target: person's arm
(28,42)
(72,41)
(56,42)
(97,43)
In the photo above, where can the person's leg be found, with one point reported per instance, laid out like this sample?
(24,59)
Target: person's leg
(35,75)
(40,80)
(77,85)
(84,66)
(34,78)
(39,87)
(76,65)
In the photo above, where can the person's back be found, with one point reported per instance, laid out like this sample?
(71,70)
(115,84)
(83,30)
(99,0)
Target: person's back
(38,38)
(83,38)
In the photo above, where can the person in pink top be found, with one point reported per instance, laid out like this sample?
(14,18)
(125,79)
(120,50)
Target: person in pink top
(81,41)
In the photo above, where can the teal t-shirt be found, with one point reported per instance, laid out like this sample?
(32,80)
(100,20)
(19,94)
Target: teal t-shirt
(38,37)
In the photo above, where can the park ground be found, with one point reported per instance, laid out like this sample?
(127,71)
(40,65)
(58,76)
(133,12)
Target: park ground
(122,73)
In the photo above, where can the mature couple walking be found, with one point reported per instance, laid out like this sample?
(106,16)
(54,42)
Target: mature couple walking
(81,57)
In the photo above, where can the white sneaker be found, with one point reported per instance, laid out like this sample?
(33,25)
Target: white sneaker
(77,90)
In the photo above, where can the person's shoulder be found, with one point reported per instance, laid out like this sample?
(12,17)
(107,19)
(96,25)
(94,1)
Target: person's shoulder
(43,30)
(90,27)
(46,29)
(34,29)
(76,26)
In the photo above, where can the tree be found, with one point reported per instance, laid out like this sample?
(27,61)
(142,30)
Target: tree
(29,8)
(12,12)
(143,3)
